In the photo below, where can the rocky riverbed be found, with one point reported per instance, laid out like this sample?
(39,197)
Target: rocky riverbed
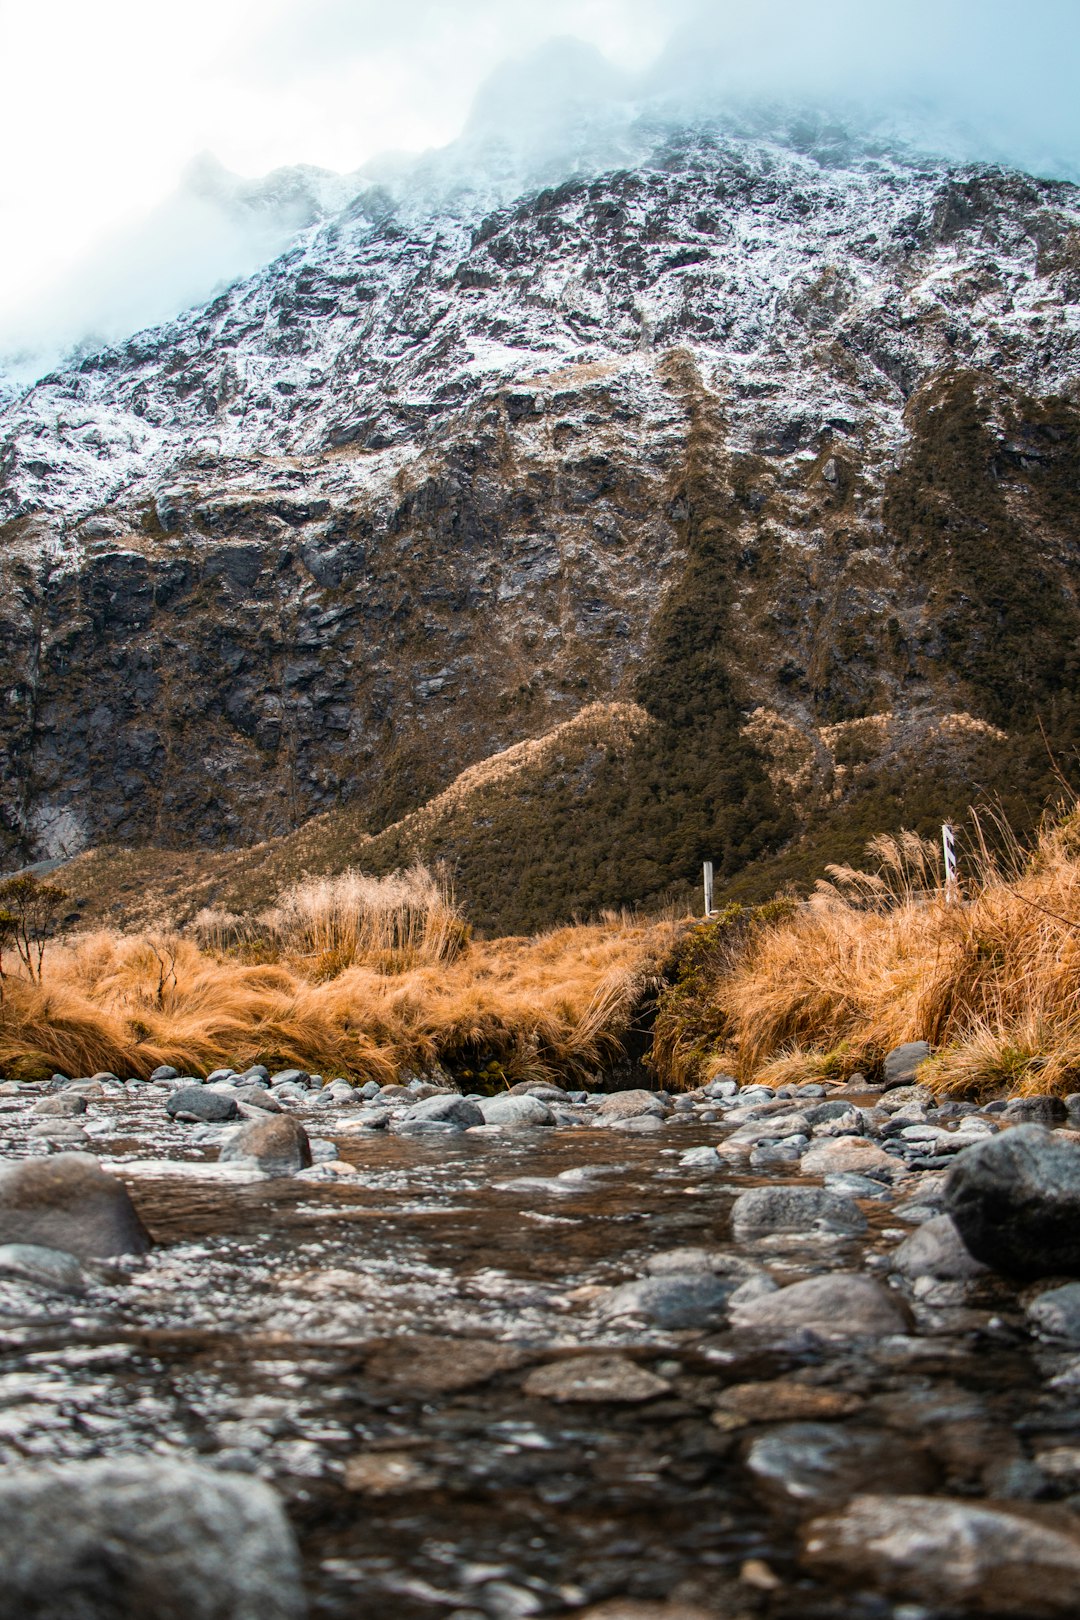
(619,1355)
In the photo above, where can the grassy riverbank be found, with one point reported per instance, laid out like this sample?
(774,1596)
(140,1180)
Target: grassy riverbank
(822,989)
(366,977)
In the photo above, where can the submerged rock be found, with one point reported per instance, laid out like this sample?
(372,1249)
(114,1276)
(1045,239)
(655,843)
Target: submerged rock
(68,1202)
(1015,1199)
(63,1106)
(138,1536)
(984,1559)
(827,1462)
(1056,1314)
(277,1145)
(809,1210)
(49,1268)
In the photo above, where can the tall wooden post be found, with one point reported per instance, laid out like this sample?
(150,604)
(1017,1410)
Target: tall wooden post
(708,888)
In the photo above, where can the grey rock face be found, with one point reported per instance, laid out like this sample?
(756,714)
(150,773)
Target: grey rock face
(1045,1110)
(764,1210)
(902,1062)
(522,1110)
(68,1202)
(446,1109)
(203,1105)
(132,1537)
(277,1145)
(49,1268)
(66,1105)
(678,1301)
(842,1305)
(956,1555)
(936,1249)
(1056,1314)
(629,1105)
(1015,1199)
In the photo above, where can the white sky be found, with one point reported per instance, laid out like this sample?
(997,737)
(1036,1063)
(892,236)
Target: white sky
(105,101)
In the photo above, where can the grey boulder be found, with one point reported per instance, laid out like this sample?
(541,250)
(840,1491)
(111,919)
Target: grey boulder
(63,1106)
(903,1061)
(1056,1314)
(629,1105)
(128,1537)
(805,1210)
(277,1145)
(1015,1199)
(524,1109)
(201,1105)
(936,1249)
(68,1202)
(682,1300)
(840,1305)
(446,1108)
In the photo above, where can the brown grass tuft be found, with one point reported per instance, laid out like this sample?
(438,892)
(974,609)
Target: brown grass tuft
(349,975)
(877,957)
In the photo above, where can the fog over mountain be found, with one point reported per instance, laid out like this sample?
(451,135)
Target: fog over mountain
(957,78)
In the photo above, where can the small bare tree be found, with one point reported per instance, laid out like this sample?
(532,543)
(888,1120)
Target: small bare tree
(7,939)
(33,909)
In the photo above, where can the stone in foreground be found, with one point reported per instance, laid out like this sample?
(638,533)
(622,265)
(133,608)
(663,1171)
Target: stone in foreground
(68,1202)
(595,1378)
(132,1537)
(957,1555)
(936,1249)
(1015,1199)
(277,1145)
(841,1305)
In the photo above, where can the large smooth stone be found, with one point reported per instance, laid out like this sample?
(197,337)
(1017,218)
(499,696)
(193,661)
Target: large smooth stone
(277,1145)
(809,1210)
(966,1556)
(830,1156)
(523,1109)
(446,1108)
(629,1105)
(133,1537)
(840,1305)
(68,1202)
(1015,1199)
(936,1249)
(1045,1109)
(202,1105)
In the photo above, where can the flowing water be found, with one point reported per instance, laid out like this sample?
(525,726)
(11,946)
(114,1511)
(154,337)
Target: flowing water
(363,1345)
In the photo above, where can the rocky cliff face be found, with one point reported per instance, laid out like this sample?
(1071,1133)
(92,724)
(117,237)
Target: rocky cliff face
(777,438)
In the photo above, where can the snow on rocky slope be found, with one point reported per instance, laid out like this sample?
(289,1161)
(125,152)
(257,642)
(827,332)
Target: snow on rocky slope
(420,487)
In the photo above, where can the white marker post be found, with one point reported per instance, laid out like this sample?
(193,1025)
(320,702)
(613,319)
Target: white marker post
(948,849)
(708,888)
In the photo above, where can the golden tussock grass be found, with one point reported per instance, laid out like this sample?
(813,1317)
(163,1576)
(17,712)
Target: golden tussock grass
(990,977)
(354,975)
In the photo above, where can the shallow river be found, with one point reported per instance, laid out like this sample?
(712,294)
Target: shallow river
(363,1345)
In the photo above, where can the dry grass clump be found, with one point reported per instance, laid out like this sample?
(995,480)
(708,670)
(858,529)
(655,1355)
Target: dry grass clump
(369,978)
(990,977)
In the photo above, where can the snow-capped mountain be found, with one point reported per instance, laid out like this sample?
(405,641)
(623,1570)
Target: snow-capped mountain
(422,485)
